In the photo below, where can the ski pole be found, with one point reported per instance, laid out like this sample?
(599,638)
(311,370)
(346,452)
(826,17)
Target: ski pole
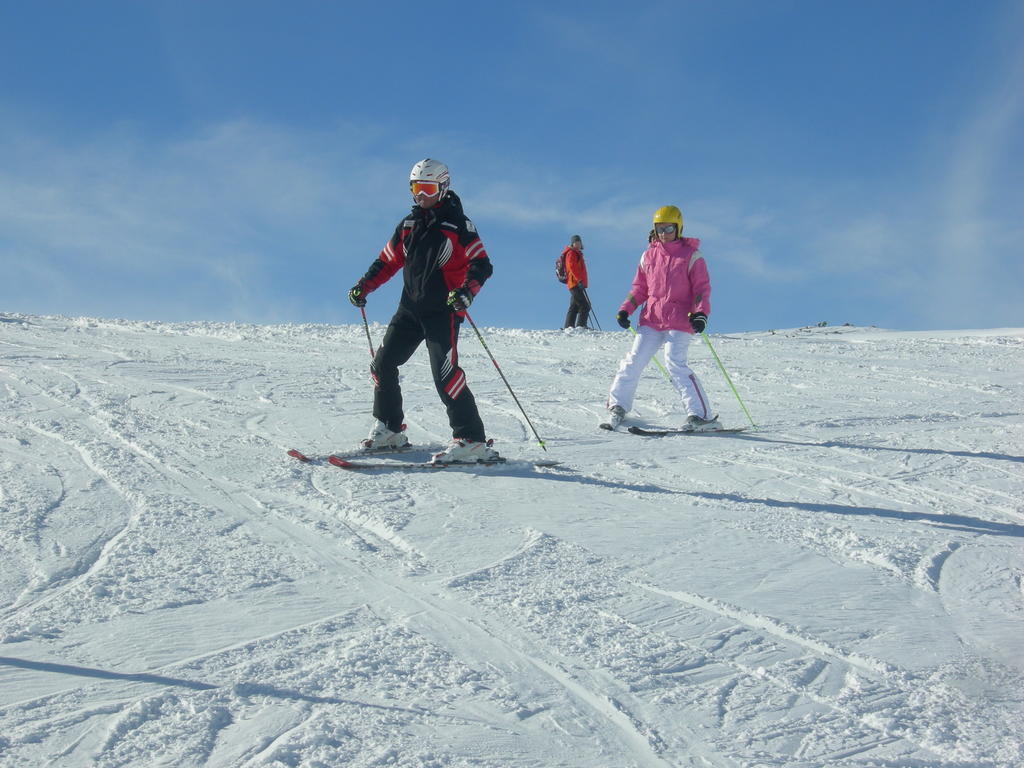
(593,314)
(366,327)
(657,362)
(498,368)
(726,375)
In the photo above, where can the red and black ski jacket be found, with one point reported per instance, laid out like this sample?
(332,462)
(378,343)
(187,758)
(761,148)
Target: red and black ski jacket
(438,250)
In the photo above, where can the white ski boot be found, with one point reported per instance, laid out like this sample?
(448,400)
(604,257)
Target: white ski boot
(383,439)
(462,451)
(616,415)
(697,424)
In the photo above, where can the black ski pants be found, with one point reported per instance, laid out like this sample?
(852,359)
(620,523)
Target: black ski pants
(579,308)
(440,330)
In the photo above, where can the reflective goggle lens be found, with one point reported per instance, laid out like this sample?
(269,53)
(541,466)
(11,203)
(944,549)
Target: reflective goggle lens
(428,188)
(665,229)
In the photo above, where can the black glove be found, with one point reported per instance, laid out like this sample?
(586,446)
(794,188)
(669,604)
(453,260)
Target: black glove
(357,295)
(622,318)
(459,299)
(698,321)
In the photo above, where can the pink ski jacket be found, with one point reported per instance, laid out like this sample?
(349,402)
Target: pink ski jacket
(673,281)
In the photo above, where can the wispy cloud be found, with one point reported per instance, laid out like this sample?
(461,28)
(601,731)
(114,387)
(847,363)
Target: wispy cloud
(205,215)
(743,235)
(977,264)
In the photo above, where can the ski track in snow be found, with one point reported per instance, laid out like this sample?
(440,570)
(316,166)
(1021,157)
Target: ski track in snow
(842,587)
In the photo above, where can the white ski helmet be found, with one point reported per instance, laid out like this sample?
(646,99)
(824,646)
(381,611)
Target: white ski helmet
(431,170)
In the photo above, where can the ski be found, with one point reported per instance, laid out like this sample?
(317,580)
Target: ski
(663,432)
(307,459)
(343,463)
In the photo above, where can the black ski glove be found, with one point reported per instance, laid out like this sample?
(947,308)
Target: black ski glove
(698,321)
(622,318)
(357,295)
(459,299)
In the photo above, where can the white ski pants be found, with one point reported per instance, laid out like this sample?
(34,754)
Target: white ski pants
(645,345)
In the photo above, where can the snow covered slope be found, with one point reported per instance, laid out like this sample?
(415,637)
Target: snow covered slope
(842,587)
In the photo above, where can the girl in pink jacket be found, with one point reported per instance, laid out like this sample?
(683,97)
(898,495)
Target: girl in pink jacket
(673,286)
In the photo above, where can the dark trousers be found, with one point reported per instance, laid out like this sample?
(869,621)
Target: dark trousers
(440,330)
(579,308)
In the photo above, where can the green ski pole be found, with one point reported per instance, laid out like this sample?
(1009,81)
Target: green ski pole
(728,380)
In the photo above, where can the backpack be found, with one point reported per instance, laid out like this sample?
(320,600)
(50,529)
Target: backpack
(560,273)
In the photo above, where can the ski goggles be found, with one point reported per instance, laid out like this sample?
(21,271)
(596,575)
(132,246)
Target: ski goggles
(428,188)
(665,229)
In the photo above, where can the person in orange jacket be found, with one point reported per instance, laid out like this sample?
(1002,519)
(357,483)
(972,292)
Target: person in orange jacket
(576,282)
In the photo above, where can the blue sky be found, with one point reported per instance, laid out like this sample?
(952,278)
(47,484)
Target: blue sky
(855,162)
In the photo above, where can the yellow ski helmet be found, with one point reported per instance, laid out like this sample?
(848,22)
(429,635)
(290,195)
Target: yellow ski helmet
(669,214)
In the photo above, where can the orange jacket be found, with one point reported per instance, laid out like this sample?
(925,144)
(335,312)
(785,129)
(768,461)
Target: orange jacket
(575,268)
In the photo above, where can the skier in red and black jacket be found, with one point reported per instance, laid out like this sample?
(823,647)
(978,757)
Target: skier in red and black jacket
(443,265)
